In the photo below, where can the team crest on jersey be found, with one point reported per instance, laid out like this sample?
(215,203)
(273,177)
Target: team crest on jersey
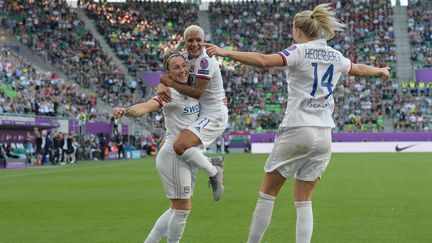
(204,63)
(186,190)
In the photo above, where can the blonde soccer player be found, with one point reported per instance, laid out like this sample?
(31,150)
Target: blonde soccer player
(206,86)
(303,145)
(177,176)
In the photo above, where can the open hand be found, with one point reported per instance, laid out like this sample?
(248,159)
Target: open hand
(214,50)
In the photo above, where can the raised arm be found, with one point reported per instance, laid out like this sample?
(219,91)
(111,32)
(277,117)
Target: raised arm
(362,70)
(137,110)
(249,58)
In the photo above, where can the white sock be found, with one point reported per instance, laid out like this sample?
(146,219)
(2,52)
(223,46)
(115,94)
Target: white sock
(196,158)
(304,225)
(261,217)
(160,228)
(176,225)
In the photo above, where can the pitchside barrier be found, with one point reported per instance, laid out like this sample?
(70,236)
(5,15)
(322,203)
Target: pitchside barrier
(361,142)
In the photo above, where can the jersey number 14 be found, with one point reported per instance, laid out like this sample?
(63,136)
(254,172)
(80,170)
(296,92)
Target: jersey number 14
(326,79)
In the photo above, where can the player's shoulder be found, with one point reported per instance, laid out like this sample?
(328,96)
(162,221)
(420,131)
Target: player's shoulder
(204,62)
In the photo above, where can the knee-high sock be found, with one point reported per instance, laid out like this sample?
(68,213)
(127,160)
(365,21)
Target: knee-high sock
(304,225)
(176,225)
(160,228)
(261,217)
(196,158)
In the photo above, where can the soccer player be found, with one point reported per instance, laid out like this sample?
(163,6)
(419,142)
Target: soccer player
(303,145)
(177,176)
(207,87)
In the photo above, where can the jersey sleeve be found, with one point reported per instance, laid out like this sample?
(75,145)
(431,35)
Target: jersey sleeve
(346,65)
(205,68)
(290,55)
(161,103)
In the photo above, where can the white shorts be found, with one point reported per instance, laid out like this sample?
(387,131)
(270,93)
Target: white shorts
(300,152)
(178,177)
(209,127)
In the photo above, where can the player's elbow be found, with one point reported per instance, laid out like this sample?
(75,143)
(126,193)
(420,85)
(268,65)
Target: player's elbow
(262,62)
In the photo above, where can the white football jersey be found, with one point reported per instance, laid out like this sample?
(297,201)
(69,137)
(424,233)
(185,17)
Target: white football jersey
(207,68)
(313,70)
(179,113)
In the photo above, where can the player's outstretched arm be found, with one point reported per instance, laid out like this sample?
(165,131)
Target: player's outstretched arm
(362,70)
(195,91)
(137,110)
(249,58)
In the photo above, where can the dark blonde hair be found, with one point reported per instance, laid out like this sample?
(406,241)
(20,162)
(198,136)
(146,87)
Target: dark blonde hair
(319,23)
(170,54)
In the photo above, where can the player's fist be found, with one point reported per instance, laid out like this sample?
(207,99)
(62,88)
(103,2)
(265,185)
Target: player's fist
(164,93)
(118,113)
(214,50)
(385,73)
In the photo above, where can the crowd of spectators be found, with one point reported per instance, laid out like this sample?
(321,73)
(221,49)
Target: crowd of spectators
(41,147)
(255,95)
(420,32)
(139,33)
(53,30)
(25,89)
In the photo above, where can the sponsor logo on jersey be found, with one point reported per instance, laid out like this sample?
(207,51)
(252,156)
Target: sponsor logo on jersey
(398,149)
(204,63)
(191,109)
(191,69)
(203,72)
(310,104)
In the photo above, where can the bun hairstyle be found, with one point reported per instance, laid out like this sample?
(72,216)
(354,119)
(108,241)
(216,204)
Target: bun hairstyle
(319,23)
(170,54)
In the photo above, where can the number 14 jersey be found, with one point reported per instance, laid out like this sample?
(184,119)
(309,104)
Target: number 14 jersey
(313,70)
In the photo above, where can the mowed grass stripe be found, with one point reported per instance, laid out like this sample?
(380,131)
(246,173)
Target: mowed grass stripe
(361,198)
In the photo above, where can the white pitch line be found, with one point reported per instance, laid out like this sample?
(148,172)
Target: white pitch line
(64,170)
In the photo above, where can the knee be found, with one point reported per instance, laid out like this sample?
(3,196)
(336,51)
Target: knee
(180,147)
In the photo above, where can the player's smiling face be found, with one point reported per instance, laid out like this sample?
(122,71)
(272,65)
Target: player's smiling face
(177,69)
(193,44)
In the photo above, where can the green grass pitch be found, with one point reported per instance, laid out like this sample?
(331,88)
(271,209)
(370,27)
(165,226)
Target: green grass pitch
(361,198)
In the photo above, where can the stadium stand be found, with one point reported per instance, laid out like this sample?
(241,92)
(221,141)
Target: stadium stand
(233,26)
(139,32)
(420,32)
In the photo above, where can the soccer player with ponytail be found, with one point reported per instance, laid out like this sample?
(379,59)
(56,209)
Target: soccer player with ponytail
(303,145)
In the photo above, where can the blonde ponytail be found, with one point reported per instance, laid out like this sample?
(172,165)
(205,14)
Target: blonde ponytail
(319,23)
